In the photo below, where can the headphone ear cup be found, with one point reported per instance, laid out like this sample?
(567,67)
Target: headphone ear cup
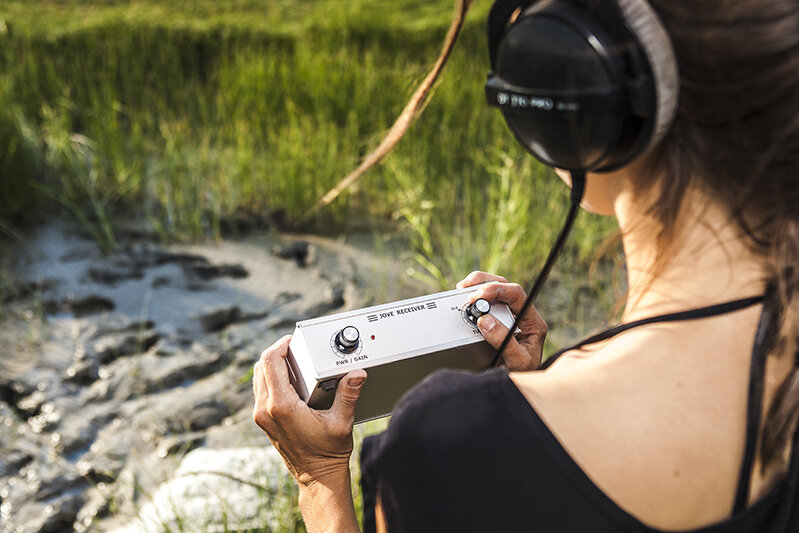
(546,49)
(609,72)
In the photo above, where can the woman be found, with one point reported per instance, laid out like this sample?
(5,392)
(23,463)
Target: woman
(683,423)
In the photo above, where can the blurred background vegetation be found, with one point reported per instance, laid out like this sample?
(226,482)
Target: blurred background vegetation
(205,116)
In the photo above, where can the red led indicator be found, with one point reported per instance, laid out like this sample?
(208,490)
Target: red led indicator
(373,337)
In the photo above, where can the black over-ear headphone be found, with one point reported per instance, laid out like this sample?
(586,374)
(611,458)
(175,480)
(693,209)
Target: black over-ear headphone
(585,85)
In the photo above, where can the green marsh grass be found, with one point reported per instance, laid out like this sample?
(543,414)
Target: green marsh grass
(193,114)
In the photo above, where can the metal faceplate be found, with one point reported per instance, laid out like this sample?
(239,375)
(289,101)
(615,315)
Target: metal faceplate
(398,344)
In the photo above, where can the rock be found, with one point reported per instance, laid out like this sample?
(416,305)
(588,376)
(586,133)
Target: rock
(160,373)
(220,319)
(12,460)
(334,299)
(80,307)
(107,275)
(116,345)
(206,272)
(302,252)
(48,417)
(161,257)
(10,392)
(180,444)
(80,253)
(206,414)
(82,372)
(147,357)
(90,305)
(98,505)
(17,289)
(31,405)
(220,490)
(76,434)
(119,325)
(61,513)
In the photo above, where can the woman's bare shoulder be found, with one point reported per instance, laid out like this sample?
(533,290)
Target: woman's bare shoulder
(641,412)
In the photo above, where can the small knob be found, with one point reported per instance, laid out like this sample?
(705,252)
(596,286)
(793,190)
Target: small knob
(347,339)
(478,308)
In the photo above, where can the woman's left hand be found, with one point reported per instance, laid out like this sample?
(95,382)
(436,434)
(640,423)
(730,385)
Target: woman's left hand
(315,445)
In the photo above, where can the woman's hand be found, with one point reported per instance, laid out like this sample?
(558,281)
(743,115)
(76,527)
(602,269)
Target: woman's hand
(315,445)
(525,350)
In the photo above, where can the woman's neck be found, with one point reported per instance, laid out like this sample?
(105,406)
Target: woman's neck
(708,263)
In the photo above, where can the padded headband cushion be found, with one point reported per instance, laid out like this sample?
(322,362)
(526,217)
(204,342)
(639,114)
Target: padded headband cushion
(642,20)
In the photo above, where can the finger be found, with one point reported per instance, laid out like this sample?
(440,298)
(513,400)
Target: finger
(259,411)
(277,372)
(516,357)
(347,394)
(509,293)
(477,277)
(258,380)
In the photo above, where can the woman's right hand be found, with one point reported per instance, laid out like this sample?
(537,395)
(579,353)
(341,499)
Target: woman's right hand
(525,350)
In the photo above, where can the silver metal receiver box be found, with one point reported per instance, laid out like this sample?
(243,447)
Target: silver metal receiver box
(397,343)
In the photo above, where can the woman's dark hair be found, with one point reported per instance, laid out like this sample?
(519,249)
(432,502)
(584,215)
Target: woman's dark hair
(736,136)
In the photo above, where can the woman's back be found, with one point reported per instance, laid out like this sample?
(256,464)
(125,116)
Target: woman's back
(586,446)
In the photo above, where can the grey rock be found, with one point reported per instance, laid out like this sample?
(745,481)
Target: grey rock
(48,417)
(334,299)
(220,319)
(123,325)
(55,477)
(160,373)
(107,275)
(214,490)
(180,444)
(206,271)
(31,405)
(61,513)
(90,305)
(18,289)
(12,460)
(208,413)
(301,252)
(82,372)
(116,345)
(123,382)
(97,505)
(161,257)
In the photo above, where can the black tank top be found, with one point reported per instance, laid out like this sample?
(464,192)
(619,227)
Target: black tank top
(467,452)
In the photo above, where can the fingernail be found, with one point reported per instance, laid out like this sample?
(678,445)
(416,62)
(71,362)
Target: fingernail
(487,322)
(356,383)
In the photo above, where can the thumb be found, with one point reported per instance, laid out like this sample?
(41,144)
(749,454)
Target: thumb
(492,329)
(516,357)
(347,394)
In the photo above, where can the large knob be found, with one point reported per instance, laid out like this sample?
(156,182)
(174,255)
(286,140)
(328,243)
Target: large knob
(478,308)
(347,339)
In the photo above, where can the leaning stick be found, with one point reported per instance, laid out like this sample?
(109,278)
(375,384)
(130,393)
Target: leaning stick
(405,118)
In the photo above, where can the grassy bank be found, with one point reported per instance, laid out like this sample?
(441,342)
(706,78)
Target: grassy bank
(204,116)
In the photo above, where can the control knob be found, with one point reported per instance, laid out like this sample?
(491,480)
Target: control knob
(477,309)
(347,339)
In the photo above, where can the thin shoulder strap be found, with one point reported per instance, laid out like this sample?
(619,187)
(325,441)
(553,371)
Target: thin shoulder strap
(754,406)
(691,314)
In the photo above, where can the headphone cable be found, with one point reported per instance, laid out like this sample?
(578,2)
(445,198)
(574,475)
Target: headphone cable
(576,196)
